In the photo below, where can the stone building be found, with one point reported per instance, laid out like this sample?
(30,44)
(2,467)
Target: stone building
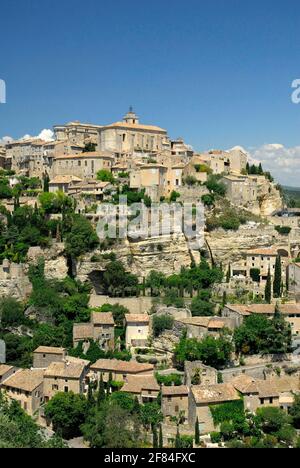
(196,373)
(132,137)
(278,393)
(101,329)
(264,260)
(66,376)
(6,372)
(294,280)
(175,401)
(77,133)
(238,313)
(202,398)
(61,183)
(200,327)
(179,148)
(26,387)
(144,387)
(44,356)
(120,370)
(83,165)
(152,178)
(137,330)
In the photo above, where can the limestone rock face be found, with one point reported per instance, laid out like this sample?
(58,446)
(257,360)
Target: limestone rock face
(55,263)
(167,254)
(231,246)
(18,288)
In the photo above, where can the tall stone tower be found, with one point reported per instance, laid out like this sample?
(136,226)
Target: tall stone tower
(131,117)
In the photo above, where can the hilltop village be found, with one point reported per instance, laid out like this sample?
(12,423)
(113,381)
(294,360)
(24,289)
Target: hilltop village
(120,343)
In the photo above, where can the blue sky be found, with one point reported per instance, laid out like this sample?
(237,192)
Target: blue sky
(216,72)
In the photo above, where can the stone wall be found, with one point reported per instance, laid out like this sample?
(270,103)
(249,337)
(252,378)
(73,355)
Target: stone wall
(135,305)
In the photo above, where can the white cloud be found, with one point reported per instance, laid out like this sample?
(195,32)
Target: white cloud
(45,134)
(5,140)
(282,162)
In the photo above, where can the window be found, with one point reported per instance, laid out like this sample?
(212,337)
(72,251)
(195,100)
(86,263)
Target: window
(66,389)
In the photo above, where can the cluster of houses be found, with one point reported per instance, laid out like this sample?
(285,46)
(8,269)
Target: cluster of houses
(54,371)
(144,155)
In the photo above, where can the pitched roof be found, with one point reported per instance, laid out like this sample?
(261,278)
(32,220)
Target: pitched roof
(4,369)
(49,350)
(215,393)
(129,126)
(205,322)
(264,251)
(267,309)
(25,379)
(82,331)
(96,154)
(102,318)
(68,369)
(175,391)
(137,318)
(130,367)
(65,179)
(136,384)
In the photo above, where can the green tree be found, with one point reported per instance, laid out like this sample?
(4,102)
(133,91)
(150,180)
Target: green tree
(161,438)
(151,415)
(101,392)
(197,432)
(105,176)
(155,437)
(268,288)
(66,411)
(277,278)
(161,323)
(11,312)
(82,238)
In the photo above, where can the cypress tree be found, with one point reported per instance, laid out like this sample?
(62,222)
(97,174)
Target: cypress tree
(228,276)
(178,440)
(101,392)
(161,438)
(155,437)
(268,289)
(91,399)
(277,278)
(197,432)
(224,301)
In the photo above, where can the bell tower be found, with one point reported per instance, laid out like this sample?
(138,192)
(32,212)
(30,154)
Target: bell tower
(131,117)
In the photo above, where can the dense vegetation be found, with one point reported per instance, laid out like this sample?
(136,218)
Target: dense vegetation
(17,430)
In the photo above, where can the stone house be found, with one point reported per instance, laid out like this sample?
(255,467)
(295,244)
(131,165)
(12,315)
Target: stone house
(44,356)
(84,165)
(120,370)
(101,329)
(257,394)
(175,401)
(264,260)
(238,313)
(202,398)
(77,133)
(62,183)
(196,373)
(132,137)
(144,387)
(26,387)
(200,327)
(294,280)
(6,372)
(67,376)
(137,330)
(152,178)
